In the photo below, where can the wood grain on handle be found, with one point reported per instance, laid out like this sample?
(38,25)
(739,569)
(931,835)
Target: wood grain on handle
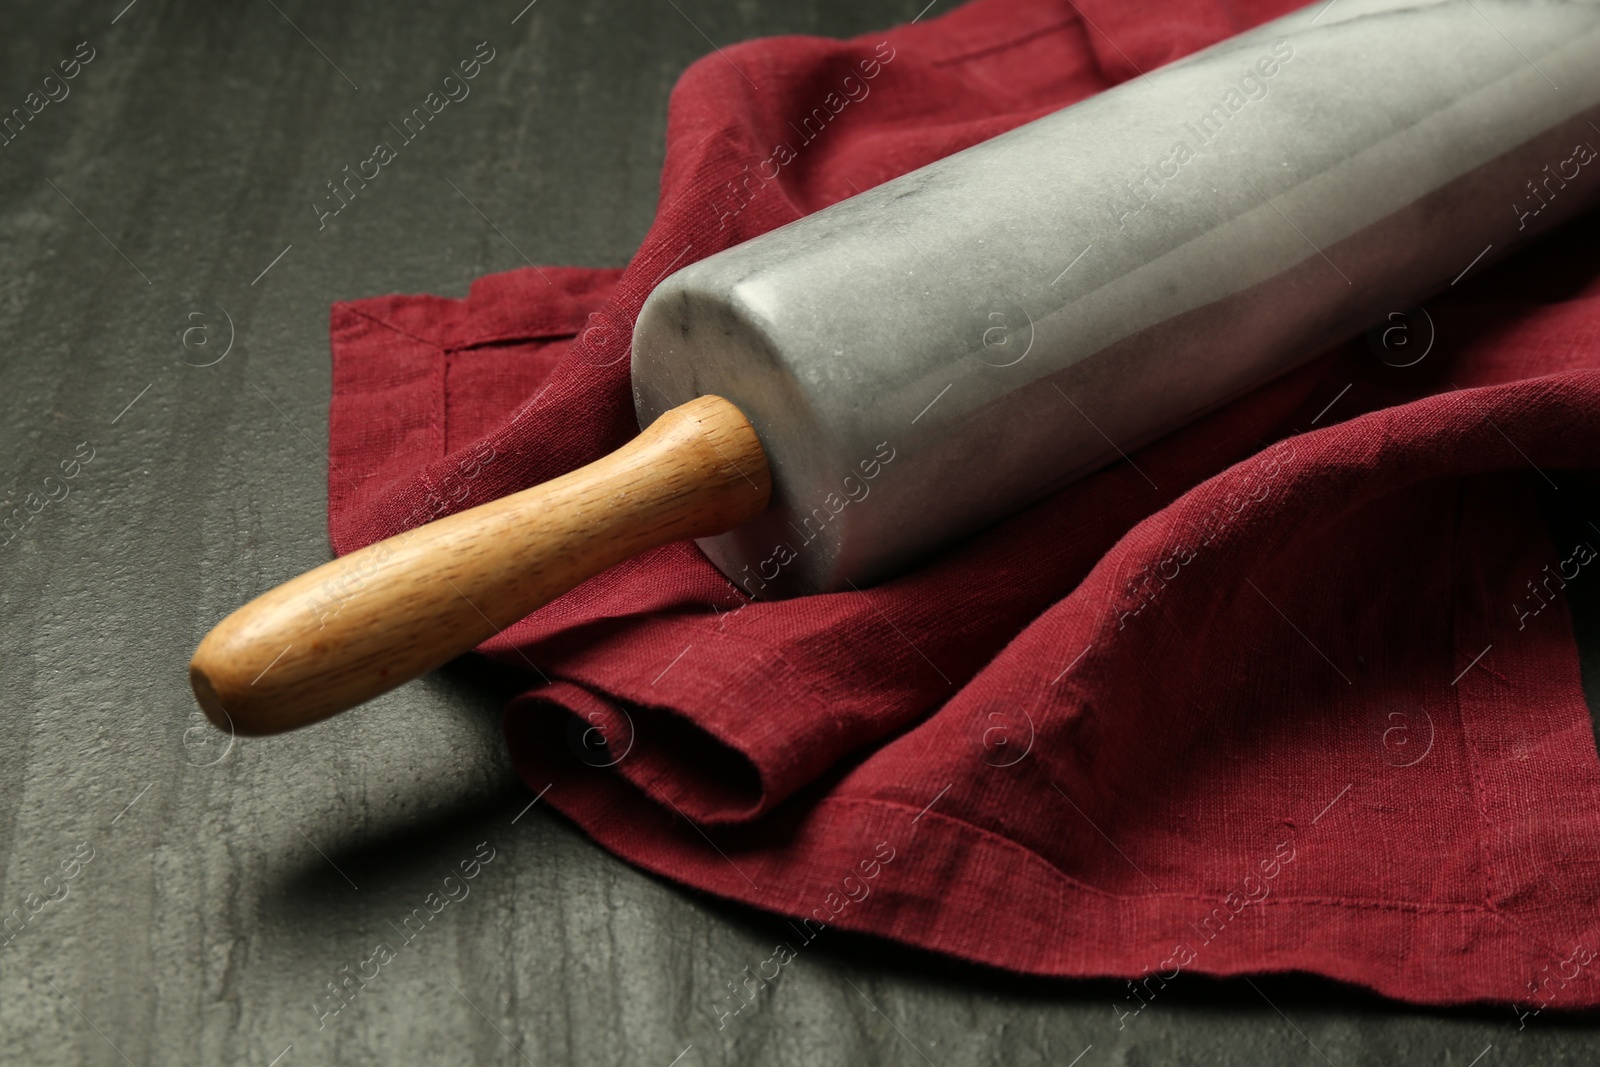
(365,623)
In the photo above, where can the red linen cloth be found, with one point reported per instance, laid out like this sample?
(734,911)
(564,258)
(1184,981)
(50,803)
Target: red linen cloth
(1274,699)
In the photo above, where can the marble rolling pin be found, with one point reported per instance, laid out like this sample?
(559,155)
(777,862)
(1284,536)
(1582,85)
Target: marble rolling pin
(832,402)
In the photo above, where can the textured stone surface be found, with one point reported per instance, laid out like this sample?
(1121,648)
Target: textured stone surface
(229,884)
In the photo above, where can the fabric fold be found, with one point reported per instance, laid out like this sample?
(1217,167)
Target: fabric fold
(1293,688)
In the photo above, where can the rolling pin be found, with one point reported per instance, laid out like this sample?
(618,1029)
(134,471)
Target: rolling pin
(832,402)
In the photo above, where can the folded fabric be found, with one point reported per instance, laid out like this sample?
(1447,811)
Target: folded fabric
(1294,689)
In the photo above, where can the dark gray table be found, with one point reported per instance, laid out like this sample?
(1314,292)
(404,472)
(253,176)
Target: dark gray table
(172,190)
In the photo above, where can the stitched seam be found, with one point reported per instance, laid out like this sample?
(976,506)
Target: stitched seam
(1474,768)
(392,327)
(1524,930)
(1340,902)
(1004,842)
(437,416)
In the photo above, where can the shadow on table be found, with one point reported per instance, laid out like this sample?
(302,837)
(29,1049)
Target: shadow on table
(846,951)
(408,853)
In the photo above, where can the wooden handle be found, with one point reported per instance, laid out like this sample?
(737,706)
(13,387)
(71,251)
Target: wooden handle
(367,622)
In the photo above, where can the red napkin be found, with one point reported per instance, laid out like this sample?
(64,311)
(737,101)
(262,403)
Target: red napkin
(1297,692)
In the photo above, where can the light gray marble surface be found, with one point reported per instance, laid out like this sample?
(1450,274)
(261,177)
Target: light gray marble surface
(1010,317)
